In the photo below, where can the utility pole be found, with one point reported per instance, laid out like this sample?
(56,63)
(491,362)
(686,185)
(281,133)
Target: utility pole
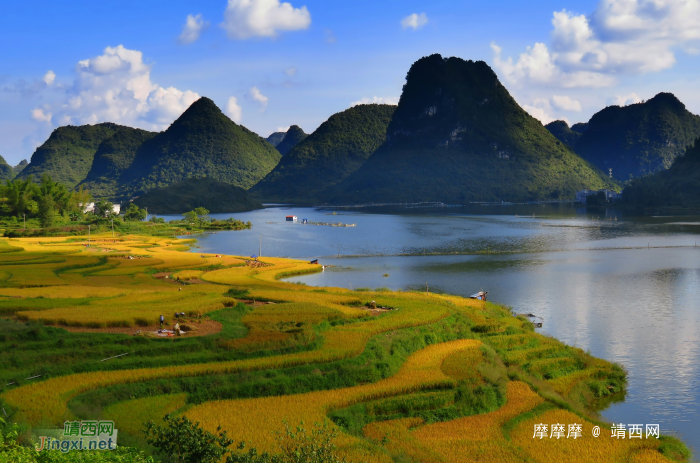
(426,288)
(88,235)
(112,227)
(260,247)
(25,221)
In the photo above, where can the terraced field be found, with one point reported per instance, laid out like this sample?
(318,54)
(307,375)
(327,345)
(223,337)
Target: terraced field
(435,378)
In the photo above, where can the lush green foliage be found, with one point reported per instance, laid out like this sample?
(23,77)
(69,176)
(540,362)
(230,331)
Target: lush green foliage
(112,159)
(215,195)
(564,134)
(18,197)
(67,156)
(185,442)
(135,213)
(638,139)
(201,142)
(335,150)
(291,138)
(6,170)
(457,136)
(675,188)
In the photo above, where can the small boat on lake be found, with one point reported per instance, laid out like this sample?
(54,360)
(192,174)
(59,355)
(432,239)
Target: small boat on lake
(481,295)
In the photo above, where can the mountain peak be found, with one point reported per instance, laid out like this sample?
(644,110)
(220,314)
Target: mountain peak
(292,138)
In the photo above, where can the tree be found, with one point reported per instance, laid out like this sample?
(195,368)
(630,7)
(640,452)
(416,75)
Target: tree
(61,196)
(190,217)
(134,213)
(104,208)
(19,195)
(186,442)
(202,215)
(47,210)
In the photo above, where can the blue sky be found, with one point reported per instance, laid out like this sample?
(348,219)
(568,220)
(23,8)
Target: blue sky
(269,64)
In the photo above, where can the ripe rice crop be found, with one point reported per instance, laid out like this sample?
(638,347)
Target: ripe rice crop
(582,449)
(257,419)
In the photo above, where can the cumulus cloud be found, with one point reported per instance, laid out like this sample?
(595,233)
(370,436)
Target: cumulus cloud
(619,37)
(116,87)
(244,19)
(261,99)
(391,100)
(540,109)
(234,110)
(193,28)
(39,115)
(566,103)
(414,21)
(49,77)
(624,100)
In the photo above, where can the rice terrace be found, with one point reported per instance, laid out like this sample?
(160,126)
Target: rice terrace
(431,378)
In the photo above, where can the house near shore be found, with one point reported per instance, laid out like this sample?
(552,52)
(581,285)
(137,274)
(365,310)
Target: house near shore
(291,218)
(610,195)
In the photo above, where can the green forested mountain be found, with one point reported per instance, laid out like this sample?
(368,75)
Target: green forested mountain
(292,138)
(334,151)
(20,167)
(457,136)
(638,139)
(6,171)
(113,157)
(192,193)
(677,187)
(201,142)
(68,153)
(564,134)
(276,138)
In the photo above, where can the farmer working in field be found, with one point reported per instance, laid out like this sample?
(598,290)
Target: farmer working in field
(162,320)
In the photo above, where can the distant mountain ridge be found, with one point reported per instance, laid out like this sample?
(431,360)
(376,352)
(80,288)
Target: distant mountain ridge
(335,150)
(458,136)
(117,162)
(292,138)
(68,154)
(633,140)
(675,188)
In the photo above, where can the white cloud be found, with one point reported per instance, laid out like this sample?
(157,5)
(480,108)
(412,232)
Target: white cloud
(116,87)
(39,115)
(330,38)
(49,77)
(391,100)
(244,19)
(233,110)
(540,109)
(282,129)
(619,37)
(193,28)
(624,100)
(414,21)
(566,103)
(259,97)
(291,71)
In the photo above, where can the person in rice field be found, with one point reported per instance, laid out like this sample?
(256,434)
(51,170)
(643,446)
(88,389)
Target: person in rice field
(162,320)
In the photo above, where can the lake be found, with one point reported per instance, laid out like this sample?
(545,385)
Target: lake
(625,288)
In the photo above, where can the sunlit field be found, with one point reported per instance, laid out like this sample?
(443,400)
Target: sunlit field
(403,376)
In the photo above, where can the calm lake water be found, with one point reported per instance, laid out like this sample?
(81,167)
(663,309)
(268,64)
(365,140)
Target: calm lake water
(625,288)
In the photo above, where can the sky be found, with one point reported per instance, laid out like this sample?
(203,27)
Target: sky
(270,64)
